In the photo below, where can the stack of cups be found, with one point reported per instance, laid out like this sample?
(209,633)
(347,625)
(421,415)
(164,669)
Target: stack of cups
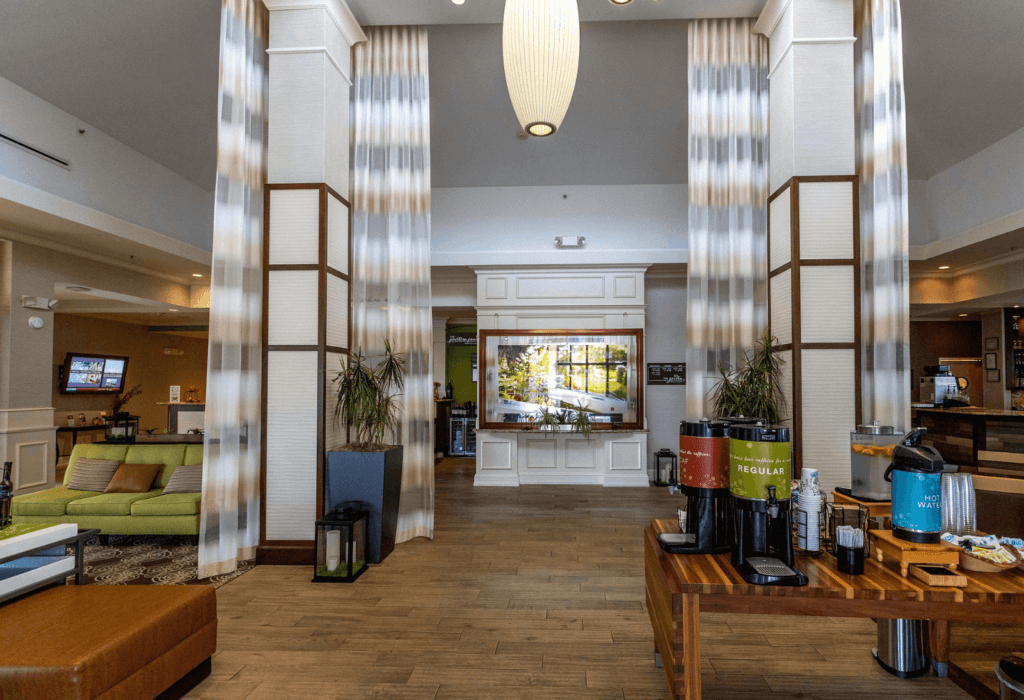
(808,531)
(959,515)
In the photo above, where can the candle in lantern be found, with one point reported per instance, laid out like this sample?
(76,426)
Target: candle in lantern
(333,549)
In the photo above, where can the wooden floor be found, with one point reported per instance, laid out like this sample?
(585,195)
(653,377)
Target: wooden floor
(535,592)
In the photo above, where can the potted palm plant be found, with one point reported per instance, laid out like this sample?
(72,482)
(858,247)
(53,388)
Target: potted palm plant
(755,389)
(368,469)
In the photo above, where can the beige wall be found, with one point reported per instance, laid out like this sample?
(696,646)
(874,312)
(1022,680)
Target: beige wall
(147,365)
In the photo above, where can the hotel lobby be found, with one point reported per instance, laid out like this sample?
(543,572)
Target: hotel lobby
(511,349)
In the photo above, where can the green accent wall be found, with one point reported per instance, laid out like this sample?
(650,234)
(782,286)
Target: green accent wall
(459,367)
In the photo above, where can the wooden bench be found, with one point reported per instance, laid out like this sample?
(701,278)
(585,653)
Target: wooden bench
(106,642)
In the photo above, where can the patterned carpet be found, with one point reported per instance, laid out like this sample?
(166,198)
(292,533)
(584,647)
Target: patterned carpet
(147,559)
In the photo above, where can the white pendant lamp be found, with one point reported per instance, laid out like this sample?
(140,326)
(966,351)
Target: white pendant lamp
(541,47)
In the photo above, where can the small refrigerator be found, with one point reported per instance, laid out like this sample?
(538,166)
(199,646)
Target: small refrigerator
(463,437)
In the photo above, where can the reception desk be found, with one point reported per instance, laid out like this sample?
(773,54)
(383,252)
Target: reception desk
(514,456)
(980,440)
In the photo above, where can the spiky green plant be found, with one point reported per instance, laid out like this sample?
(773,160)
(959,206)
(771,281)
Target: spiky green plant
(366,397)
(581,420)
(755,389)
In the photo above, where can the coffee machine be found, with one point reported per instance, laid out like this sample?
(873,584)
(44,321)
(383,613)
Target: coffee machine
(760,470)
(704,480)
(938,384)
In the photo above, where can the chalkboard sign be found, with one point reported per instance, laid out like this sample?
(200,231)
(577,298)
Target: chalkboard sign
(666,373)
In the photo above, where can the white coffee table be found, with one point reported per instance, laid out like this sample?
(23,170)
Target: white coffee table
(34,555)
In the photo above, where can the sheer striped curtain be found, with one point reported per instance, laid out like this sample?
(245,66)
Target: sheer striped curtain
(391,240)
(726,277)
(881,153)
(230,520)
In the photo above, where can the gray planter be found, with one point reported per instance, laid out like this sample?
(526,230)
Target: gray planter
(372,477)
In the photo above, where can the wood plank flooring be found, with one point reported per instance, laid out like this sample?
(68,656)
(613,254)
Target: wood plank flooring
(528,593)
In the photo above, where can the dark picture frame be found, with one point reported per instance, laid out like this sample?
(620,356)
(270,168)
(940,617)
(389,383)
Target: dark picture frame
(992,375)
(992,344)
(990,360)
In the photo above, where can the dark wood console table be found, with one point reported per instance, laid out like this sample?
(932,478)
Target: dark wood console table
(678,587)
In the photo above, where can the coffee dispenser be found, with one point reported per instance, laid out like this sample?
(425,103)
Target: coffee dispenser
(760,471)
(704,480)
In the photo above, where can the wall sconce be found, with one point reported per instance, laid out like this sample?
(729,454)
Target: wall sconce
(569,241)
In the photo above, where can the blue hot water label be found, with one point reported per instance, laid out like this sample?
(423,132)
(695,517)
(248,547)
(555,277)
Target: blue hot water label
(917,501)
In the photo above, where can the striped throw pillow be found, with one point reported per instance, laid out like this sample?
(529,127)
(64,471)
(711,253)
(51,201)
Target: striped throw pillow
(92,474)
(185,479)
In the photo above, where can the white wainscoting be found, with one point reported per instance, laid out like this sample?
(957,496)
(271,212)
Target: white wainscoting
(28,439)
(511,458)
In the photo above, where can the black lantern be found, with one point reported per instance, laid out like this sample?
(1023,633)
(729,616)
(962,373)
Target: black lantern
(340,546)
(121,428)
(665,462)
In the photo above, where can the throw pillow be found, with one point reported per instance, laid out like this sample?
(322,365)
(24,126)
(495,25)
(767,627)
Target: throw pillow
(185,479)
(92,474)
(134,478)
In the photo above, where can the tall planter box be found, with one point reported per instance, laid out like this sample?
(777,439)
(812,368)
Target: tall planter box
(376,479)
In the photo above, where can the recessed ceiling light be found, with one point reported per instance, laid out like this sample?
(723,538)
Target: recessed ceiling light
(962,315)
(458,2)
(196,274)
(1016,306)
(943,267)
(620,2)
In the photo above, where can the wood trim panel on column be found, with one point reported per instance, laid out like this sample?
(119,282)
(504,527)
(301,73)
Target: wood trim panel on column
(798,392)
(291,552)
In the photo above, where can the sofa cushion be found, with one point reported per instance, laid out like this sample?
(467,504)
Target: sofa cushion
(168,455)
(115,452)
(193,454)
(169,504)
(51,502)
(133,478)
(93,474)
(78,642)
(109,503)
(186,479)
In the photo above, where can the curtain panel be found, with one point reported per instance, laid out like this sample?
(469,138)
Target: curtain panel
(230,520)
(390,123)
(726,278)
(881,158)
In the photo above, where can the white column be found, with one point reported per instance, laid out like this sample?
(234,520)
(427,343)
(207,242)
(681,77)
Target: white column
(814,247)
(27,431)
(307,266)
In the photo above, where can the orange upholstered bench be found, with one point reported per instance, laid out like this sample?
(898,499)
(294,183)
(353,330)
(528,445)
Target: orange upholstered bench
(106,642)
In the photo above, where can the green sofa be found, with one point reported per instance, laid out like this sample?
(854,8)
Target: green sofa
(150,513)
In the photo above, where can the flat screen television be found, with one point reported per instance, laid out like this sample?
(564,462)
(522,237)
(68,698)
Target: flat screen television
(85,373)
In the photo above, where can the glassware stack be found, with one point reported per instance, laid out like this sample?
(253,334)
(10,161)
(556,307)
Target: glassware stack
(959,513)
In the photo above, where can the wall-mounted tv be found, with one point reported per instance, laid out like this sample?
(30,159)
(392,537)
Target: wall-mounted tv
(84,373)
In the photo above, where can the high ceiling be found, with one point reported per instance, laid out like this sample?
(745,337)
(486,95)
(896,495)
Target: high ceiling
(963,78)
(145,72)
(370,12)
(142,71)
(619,130)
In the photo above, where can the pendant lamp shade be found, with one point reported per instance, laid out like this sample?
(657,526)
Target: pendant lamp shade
(541,48)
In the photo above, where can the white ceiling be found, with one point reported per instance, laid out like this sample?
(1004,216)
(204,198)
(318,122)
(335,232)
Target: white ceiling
(619,130)
(963,78)
(370,12)
(145,72)
(142,71)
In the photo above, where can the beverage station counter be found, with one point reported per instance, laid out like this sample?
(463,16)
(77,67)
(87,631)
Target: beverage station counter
(679,586)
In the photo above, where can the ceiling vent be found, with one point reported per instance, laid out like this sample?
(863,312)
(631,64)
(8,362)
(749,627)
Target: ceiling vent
(10,140)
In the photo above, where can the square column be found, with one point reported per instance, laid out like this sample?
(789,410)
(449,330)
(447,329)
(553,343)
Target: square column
(813,228)
(306,265)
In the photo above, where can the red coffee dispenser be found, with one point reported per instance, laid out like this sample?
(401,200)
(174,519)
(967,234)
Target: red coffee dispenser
(704,480)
